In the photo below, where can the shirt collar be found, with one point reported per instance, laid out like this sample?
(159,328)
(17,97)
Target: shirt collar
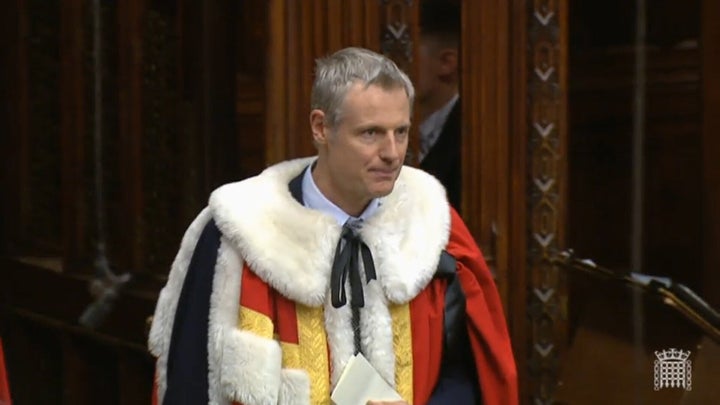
(435,121)
(314,199)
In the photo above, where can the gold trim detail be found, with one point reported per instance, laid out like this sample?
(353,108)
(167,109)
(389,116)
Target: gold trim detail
(255,322)
(313,353)
(402,343)
(290,355)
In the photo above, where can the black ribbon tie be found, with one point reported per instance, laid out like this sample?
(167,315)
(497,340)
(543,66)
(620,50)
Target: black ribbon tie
(346,264)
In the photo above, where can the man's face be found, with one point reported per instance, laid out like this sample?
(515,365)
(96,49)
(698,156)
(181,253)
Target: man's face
(364,153)
(438,64)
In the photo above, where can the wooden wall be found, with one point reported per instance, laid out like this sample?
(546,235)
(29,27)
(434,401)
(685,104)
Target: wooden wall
(194,95)
(601,161)
(182,87)
(301,32)
(608,324)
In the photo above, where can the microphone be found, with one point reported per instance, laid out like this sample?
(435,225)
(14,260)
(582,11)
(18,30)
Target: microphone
(106,285)
(676,295)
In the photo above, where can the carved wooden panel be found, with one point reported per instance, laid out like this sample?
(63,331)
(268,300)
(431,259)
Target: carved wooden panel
(485,84)
(41,195)
(177,107)
(136,166)
(168,101)
(514,90)
(155,176)
(546,188)
(161,143)
(399,33)
(252,34)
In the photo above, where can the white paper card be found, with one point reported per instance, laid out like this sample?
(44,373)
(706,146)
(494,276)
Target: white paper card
(360,382)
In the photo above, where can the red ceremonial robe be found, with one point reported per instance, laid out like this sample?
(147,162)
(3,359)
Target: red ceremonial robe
(485,323)
(267,334)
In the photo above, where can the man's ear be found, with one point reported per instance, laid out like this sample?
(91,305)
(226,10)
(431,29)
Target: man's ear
(448,61)
(318,127)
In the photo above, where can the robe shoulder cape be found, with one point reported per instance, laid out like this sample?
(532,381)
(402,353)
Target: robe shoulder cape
(246,317)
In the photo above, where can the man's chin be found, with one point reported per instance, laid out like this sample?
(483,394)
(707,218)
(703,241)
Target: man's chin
(382,190)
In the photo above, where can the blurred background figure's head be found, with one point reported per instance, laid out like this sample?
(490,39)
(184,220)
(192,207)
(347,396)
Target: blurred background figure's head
(439,54)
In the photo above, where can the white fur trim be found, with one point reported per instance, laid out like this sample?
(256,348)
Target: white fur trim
(224,306)
(164,317)
(273,232)
(408,233)
(376,332)
(338,327)
(251,368)
(294,388)
(285,242)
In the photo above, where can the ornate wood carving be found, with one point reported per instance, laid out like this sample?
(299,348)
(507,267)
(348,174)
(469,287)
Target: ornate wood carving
(546,188)
(399,35)
(514,134)
(397,32)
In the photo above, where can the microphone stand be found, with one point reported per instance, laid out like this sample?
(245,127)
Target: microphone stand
(675,295)
(105,285)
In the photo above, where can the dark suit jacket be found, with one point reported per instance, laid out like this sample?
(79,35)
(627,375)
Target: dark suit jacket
(443,159)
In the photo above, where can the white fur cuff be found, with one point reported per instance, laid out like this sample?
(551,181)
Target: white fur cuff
(251,367)
(295,388)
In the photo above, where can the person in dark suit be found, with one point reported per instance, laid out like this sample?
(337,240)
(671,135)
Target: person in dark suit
(437,97)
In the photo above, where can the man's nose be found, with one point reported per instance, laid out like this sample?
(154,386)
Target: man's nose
(390,149)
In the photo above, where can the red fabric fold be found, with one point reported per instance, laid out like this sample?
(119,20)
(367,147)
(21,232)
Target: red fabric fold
(4,385)
(487,327)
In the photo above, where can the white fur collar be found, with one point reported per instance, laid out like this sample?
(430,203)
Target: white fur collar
(291,247)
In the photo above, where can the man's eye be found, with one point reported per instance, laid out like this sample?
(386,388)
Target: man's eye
(370,132)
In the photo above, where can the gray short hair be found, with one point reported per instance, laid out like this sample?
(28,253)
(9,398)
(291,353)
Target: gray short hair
(337,73)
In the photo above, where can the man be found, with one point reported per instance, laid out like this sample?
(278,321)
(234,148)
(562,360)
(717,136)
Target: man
(438,98)
(286,275)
